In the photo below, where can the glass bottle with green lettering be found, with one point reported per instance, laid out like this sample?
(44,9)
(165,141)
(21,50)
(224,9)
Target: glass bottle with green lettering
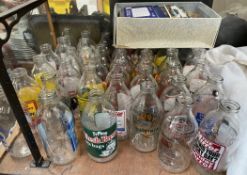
(99,125)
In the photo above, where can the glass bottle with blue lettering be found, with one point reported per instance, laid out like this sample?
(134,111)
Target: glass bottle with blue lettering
(100,127)
(146,116)
(56,129)
(217,139)
(177,133)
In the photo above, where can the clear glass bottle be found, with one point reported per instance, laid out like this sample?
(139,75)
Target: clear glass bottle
(99,125)
(144,74)
(120,98)
(62,44)
(70,54)
(56,129)
(88,81)
(177,133)
(217,139)
(146,116)
(67,34)
(84,43)
(147,57)
(68,79)
(52,58)
(207,97)
(197,77)
(101,53)
(27,91)
(101,67)
(169,95)
(42,68)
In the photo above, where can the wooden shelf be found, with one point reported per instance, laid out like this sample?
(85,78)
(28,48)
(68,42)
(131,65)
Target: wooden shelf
(127,162)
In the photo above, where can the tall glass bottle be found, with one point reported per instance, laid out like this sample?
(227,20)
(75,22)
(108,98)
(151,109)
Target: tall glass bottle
(169,95)
(99,125)
(120,98)
(147,57)
(52,58)
(28,91)
(145,74)
(101,65)
(42,68)
(207,97)
(56,129)
(146,115)
(217,139)
(68,79)
(67,34)
(62,44)
(88,81)
(177,132)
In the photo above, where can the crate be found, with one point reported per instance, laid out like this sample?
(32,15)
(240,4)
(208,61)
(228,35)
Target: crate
(167,32)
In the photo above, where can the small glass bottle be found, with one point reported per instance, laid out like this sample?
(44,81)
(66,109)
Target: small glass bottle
(27,91)
(147,57)
(88,81)
(99,125)
(56,129)
(62,44)
(145,74)
(101,53)
(68,79)
(207,97)
(177,133)
(146,112)
(120,98)
(69,54)
(67,33)
(217,139)
(101,67)
(52,58)
(42,68)
(85,42)
(169,95)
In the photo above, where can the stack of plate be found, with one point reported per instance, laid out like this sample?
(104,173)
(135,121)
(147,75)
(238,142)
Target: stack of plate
(21,48)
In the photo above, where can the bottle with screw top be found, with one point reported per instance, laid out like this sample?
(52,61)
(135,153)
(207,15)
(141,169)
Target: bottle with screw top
(207,97)
(99,125)
(217,139)
(146,116)
(56,128)
(177,133)
(120,98)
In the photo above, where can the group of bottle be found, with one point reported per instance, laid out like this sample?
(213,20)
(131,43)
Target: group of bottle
(130,95)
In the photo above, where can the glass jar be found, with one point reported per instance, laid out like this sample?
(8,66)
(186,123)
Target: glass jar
(169,95)
(146,112)
(216,141)
(144,74)
(56,129)
(88,81)
(120,98)
(99,125)
(27,91)
(68,79)
(42,68)
(207,97)
(51,57)
(177,132)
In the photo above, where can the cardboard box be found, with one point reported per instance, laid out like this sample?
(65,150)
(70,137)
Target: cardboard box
(198,32)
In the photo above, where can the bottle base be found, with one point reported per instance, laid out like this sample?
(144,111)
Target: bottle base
(173,169)
(102,160)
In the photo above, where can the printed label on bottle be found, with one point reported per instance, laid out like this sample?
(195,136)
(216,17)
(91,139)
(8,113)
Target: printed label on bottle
(207,154)
(70,126)
(135,90)
(196,84)
(181,127)
(31,108)
(121,122)
(102,143)
(199,117)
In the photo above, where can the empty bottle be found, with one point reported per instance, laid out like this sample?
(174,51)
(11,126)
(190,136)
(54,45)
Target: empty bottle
(146,115)
(99,125)
(177,133)
(52,58)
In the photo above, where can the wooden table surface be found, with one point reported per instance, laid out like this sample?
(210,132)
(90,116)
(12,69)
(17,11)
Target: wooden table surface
(127,162)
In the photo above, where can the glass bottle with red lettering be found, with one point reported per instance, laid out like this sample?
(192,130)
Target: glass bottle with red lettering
(146,116)
(217,139)
(119,96)
(177,133)
(100,127)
